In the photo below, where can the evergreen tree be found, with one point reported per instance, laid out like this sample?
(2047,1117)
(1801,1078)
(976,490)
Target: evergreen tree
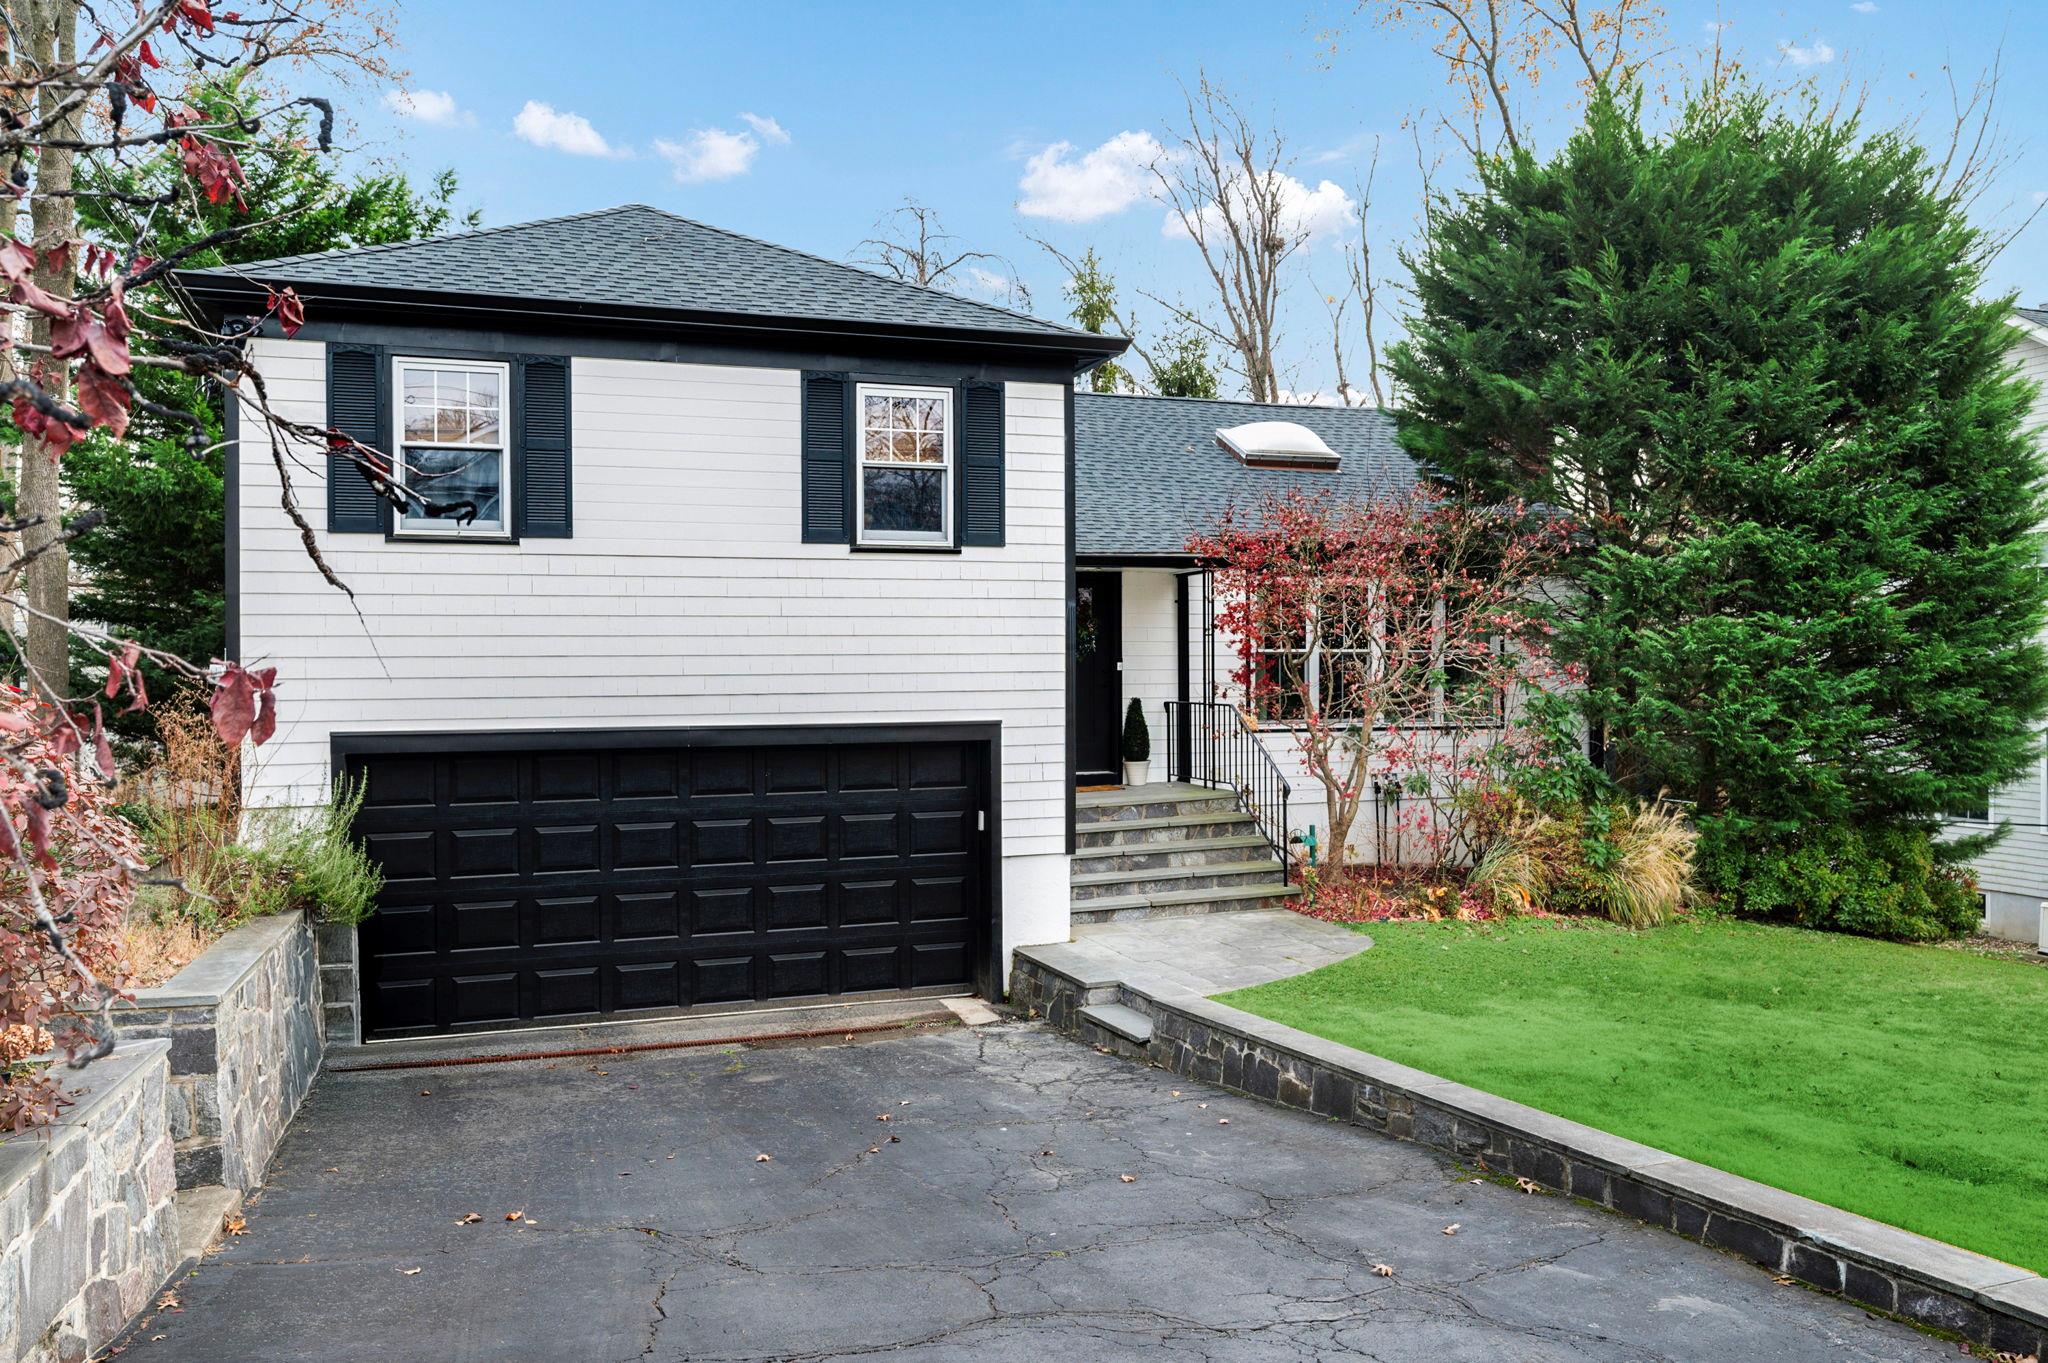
(1747,357)
(156,570)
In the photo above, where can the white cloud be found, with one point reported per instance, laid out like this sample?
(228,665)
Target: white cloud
(1864,7)
(1717,25)
(427,106)
(543,126)
(1820,54)
(710,154)
(1106,180)
(1319,214)
(770,130)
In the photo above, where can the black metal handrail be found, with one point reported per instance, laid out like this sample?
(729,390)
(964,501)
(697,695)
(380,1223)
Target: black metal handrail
(1209,743)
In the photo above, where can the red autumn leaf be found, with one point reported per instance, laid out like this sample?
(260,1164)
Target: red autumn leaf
(58,257)
(140,693)
(266,718)
(197,14)
(116,310)
(39,831)
(290,310)
(148,53)
(104,399)
(117,672)
(85,334)
(16,261)
(103,751)
(233,708)
(29,292)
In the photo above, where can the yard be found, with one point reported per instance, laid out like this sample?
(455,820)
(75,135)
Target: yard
(1908,1084)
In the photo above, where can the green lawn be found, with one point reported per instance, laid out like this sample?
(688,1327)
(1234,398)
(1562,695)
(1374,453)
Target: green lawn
(1906,1083)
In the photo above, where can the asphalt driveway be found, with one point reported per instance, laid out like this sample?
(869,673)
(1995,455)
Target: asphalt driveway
(1027,1198)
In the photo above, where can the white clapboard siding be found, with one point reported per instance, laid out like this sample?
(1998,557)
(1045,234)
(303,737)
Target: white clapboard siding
(685,598)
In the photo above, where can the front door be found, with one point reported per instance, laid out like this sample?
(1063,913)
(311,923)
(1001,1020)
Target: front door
(1098,679)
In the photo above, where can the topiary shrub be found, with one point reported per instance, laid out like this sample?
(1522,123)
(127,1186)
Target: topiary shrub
(1137,737)
(1891,882)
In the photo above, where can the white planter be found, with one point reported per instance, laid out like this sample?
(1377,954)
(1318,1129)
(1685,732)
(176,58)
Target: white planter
(1137,773)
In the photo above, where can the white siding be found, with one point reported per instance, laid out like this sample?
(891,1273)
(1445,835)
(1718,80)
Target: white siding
(2014,874)
(1151,654)
(685,598)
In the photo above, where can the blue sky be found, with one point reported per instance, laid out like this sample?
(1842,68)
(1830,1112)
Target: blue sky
(854,107)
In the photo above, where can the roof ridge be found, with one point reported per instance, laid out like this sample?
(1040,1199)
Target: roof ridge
(377,248)
(1236,402)
(860,269)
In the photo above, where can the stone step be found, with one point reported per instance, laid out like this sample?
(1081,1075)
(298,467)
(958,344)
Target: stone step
(1150,802)
(1174,879)
(202,1213)
(1128,1023)
(1172,828)
(1169,852)
(1191,903)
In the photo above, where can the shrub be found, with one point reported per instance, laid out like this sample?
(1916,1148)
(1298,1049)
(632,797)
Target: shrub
(1878,882)
(1137,737)
(1632,863)
(60,819)
(232,864)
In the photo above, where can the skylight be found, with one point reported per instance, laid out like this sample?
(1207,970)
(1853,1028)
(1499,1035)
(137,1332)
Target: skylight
(1277,444)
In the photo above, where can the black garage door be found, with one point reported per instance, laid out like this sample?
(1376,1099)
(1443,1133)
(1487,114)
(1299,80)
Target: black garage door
(624,873)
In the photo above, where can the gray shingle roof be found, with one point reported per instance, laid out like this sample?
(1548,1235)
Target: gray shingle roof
(643,257)
(1148,471)
(2038,316)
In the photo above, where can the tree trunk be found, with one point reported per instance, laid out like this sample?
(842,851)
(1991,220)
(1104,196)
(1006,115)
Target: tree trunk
(51,41)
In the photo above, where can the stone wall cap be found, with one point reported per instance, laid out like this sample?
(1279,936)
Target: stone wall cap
(92,1089)
(215,972)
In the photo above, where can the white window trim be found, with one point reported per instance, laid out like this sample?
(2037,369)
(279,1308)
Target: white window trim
(452,529)
(901,539)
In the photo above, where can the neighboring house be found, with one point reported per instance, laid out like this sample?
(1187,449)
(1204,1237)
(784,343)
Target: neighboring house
(2014,874)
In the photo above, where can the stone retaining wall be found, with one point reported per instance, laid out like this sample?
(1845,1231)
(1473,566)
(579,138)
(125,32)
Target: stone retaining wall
(87,1223)
(1988,1302)
(244,1023)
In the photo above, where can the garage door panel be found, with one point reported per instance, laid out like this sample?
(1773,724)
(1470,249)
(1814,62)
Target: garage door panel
(795,838)
(647,916)
(529,886)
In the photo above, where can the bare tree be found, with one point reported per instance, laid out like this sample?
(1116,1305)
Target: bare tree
(1229,185)
(913,245)
(1496,51)
(1360,291)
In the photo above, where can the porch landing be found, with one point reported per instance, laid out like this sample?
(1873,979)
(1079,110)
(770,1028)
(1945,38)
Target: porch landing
(1205,955)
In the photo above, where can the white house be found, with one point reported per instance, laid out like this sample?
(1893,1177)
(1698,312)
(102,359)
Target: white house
(2014,874)
(724,653)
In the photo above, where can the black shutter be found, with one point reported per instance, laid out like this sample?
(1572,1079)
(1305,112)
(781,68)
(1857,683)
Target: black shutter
(827,461)
(542,473)
(981,464)
(358,407)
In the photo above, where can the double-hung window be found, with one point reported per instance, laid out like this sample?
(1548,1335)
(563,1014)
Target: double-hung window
(452,447)
(905,458)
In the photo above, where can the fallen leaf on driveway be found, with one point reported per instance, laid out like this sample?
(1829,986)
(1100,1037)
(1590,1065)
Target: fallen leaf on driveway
(763,1159)
(895,1140)
(469,1220)
(235,1225)
(884,1117)
(1527,1185)
(1128,1178)
(1223,1121)
(1451,1229)
(331,1171)
(513,1216)
(408,1272)
(426,1093)
(874,1150)
(1383,1270)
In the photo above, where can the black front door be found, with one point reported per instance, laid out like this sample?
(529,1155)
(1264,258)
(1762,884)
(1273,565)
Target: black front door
(1098,679)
